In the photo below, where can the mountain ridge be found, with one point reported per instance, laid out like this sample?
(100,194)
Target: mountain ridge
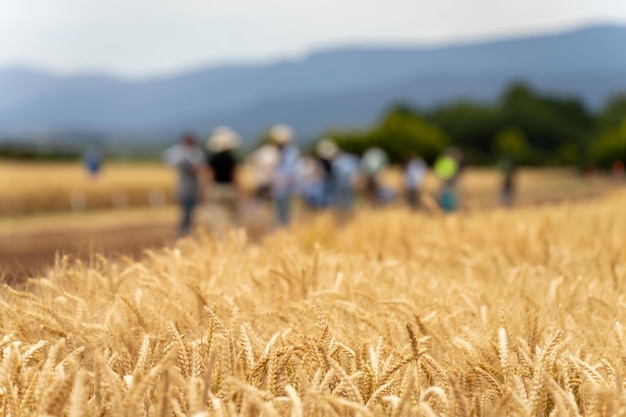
(33,100)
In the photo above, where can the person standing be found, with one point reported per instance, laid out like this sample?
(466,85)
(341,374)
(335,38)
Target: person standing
(326,151)
(448,167)
(285,173)
(223,189)
(374,161)
(341,175)
(310,183)
(262,163)
(92,160)
(508,169)
(188,159)
(414,175)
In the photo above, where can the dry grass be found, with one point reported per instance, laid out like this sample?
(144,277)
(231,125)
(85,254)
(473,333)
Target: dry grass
(29,188)
(43,187)
(511,312)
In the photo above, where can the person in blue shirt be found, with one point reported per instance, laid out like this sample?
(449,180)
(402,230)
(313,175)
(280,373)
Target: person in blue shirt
(189,160)
(92,159)
(341,174)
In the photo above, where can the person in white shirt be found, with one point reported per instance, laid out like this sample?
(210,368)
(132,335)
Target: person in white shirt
(262,163)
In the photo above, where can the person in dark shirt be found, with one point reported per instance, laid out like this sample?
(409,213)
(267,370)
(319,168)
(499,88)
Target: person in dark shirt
(223,165)
(326,151)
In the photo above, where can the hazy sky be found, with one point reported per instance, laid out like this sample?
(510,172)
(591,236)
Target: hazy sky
(150,37)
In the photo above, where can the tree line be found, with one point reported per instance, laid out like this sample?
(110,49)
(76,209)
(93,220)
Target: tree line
(533,128)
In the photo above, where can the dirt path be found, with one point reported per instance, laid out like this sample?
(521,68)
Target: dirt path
(29,246)
(24,255)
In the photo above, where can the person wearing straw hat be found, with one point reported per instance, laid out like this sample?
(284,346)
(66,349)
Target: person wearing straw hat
(223,189)
(285,173)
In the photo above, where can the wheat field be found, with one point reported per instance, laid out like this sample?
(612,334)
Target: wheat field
(497,313)
(28,188)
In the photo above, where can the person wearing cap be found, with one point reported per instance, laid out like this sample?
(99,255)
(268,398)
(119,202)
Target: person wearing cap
(188,159)
(223,188)
(285,172)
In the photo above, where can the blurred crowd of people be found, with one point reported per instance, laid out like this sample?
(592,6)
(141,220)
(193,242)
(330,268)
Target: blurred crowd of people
(329,178)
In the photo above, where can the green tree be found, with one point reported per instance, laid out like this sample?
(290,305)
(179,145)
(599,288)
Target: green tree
(614,113)
(548,121)
(401,133)
(569,154)
(469,125)
(610,146)
(351,141)
(511,142)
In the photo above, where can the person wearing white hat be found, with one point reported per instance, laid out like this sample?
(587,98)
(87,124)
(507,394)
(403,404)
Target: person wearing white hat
(223,189)
(285,173)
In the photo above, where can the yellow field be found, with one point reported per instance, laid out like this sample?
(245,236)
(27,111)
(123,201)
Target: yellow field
(35,188)
(42,187)
(507,312)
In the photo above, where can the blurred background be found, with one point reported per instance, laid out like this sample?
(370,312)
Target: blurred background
(93,91)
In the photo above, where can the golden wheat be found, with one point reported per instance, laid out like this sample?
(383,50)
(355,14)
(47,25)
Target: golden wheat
(27,188)
(507,312)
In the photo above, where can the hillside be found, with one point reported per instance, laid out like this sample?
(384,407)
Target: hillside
(348,86)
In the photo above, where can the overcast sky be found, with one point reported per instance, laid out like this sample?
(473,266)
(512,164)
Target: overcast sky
(139,38)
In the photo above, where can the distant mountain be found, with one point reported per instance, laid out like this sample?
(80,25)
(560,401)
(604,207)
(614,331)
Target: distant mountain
(343,87)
